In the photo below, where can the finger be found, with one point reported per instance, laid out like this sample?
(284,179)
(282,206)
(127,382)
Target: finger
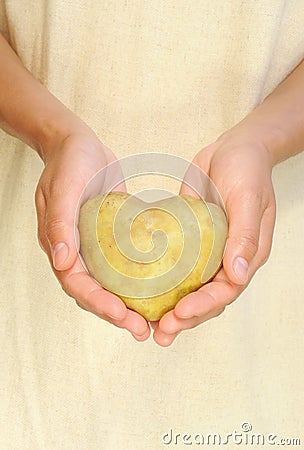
(143,337)
(245,212)
(133,322)
(171,325)
(215,295)
(212,298)
(90,296)
(199,307)
(136,324)
(77,283)
(174,325)
(62,201)
(163,339)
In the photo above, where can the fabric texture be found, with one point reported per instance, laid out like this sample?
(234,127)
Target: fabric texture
(164,76)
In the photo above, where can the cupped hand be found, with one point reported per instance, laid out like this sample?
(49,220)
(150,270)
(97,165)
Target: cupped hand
(241,170)
(68,168)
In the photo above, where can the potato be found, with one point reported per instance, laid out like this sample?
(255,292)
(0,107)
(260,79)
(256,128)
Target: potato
(151,254)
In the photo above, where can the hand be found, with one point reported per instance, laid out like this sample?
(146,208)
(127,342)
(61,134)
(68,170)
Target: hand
(69,167)
(241,171)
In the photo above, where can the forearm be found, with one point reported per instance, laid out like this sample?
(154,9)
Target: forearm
(278,122)
(27,109)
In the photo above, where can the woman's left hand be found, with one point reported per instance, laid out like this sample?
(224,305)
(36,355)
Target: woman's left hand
(241,170)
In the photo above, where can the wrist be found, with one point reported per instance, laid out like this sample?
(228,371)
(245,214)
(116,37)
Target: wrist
(53,129)
(264,135)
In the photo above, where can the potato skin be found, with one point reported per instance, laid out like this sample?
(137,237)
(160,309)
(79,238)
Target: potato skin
(96,234)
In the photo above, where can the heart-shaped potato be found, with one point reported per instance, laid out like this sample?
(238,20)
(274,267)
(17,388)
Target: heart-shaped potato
(151,254)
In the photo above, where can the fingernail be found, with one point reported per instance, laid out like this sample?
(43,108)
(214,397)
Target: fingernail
(241,269)
(60,254)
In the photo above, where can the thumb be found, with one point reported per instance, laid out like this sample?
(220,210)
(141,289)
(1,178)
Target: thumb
(244,217)
(60,230)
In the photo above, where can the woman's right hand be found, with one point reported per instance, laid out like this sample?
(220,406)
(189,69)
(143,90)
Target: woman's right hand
(68,168)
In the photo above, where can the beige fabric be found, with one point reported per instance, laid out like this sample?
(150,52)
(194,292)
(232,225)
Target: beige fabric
(149,75)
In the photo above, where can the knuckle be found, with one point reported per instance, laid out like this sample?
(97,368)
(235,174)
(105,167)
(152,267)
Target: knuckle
(73,287)
(67,290)
(88,297)
(218,306)
(251,198)
(248,240)
(60,185)
(219,311)
(67,287)
(56,186)
(53,227)
(80,305)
